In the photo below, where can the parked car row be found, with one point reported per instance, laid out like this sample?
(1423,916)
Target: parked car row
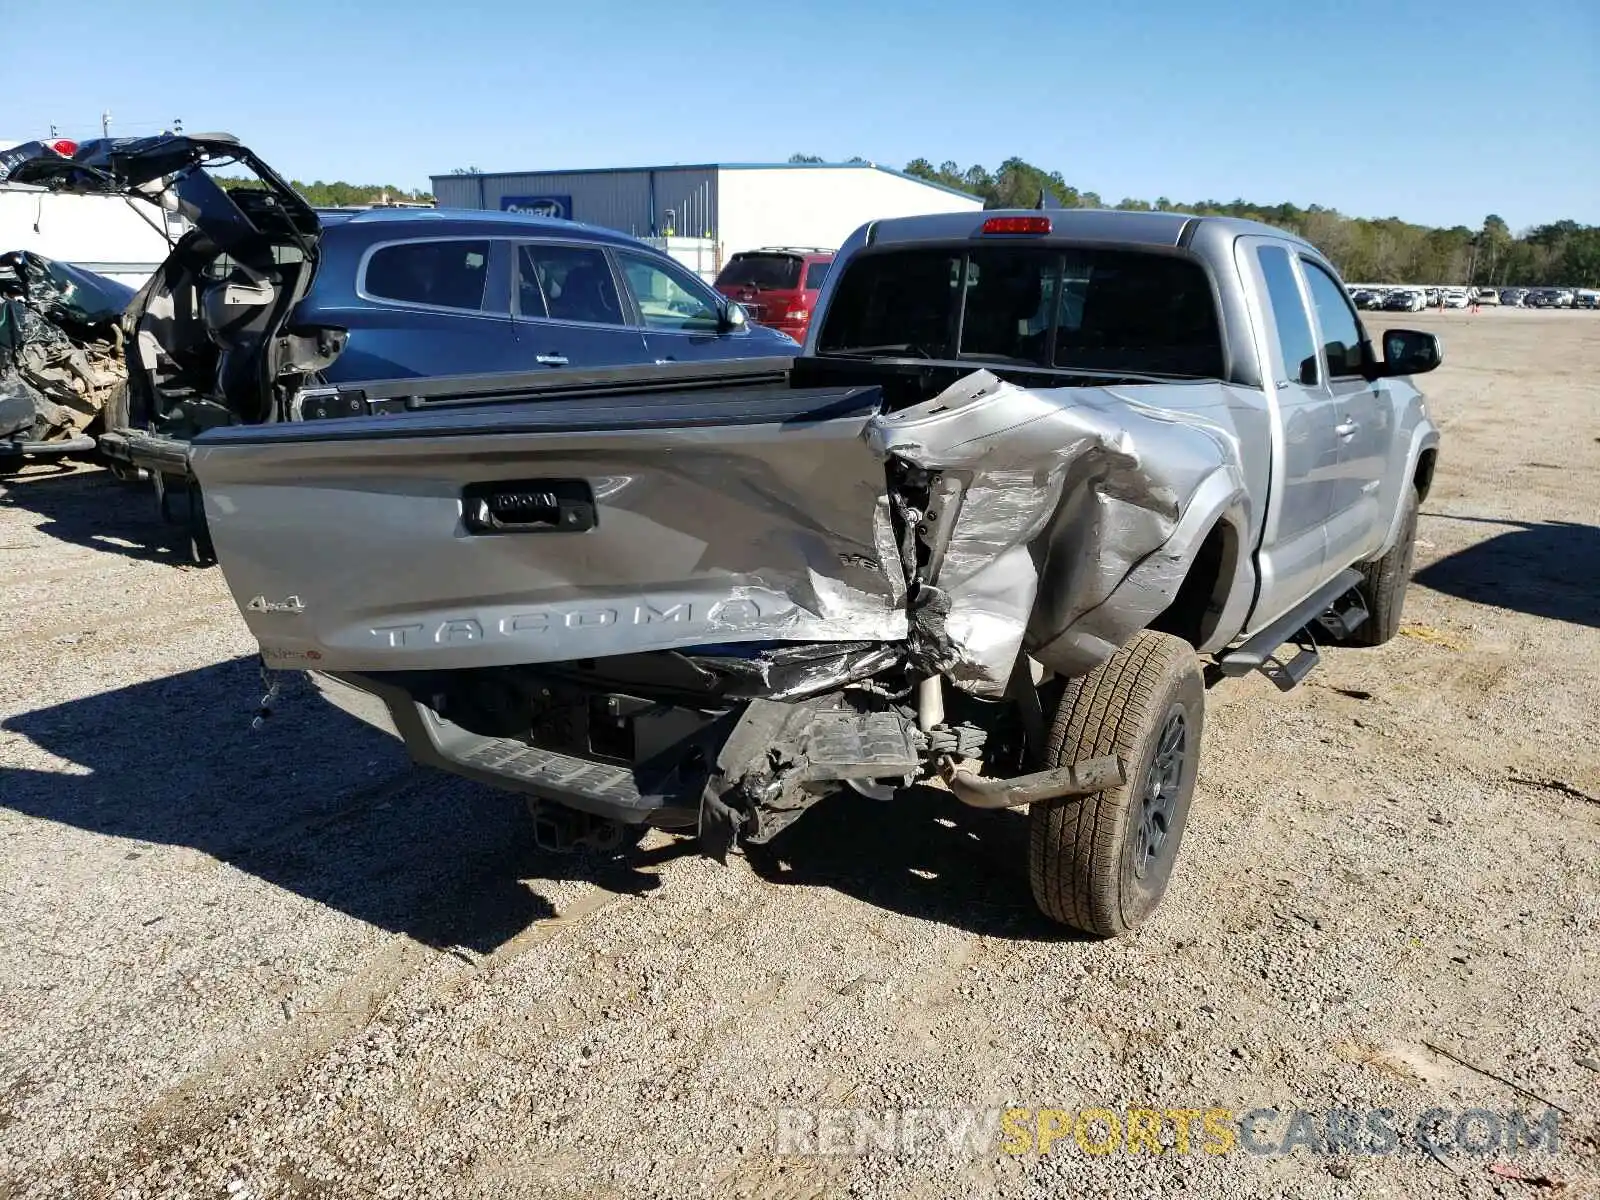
(1415,297)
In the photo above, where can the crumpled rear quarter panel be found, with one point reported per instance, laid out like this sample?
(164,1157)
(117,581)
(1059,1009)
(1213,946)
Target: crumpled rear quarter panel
(1067,495)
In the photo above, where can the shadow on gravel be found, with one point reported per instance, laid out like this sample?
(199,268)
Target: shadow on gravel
(926,855)
(93,509)
(1543,568)
(314,802)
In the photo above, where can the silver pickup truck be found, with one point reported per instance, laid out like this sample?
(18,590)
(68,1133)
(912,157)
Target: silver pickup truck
(1038,480)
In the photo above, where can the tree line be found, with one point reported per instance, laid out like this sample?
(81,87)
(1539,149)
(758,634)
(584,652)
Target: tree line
(340,194)
(1368,250)
(1365,249)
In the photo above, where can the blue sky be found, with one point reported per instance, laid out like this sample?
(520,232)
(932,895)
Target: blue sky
(1428,110)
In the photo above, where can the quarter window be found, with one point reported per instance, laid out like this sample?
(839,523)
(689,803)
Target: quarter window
(567,283)
(668,299)
(816,274)
(439,274)
(1289,315)
(1341,332)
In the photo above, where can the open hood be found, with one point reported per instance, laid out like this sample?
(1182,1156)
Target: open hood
(166,170)
(205,340)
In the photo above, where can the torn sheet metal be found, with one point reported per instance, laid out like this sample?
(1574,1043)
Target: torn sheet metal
(60,346)
(795,670)
(1065,496)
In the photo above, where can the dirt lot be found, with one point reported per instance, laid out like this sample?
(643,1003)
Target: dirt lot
(284,963)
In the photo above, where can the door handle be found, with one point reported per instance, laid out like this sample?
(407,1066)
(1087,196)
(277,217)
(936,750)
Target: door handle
(664,361)
(550,360)
(1347,430)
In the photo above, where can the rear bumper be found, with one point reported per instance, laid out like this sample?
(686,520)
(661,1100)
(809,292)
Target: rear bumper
(747,768)
(613,791)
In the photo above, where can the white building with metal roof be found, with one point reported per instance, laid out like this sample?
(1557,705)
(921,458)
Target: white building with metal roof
(734,206)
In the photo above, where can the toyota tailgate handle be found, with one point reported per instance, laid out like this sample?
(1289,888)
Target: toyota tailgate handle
(528,506)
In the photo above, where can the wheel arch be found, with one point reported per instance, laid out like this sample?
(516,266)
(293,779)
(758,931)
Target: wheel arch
(1207,609)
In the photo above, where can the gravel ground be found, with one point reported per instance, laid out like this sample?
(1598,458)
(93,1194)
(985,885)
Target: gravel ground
(283,962)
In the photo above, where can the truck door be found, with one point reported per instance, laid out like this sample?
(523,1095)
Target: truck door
(568,310)
(1293,552)
(1363,422)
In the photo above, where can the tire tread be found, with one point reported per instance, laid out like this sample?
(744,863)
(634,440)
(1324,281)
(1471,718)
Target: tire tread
(1074,852)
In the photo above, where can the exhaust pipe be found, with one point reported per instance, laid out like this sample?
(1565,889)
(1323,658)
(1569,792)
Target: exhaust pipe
(1080,779)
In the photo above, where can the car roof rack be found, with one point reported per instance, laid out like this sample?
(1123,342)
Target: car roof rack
(791,249)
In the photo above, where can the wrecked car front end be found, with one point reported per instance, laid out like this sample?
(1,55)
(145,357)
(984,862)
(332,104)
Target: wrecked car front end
(205,339)
(61,362)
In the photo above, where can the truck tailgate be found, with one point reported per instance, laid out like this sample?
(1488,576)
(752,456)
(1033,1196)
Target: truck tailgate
(556,530)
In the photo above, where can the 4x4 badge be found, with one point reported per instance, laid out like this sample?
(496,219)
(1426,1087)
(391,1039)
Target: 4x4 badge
(292,605)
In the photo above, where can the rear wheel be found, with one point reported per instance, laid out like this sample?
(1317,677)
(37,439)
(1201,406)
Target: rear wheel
(1101,863)
(1384,582)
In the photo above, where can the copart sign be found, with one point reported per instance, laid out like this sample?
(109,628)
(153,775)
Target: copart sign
(538,206)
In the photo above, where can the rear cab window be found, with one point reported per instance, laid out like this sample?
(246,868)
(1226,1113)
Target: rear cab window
(439,274)
(1066,307)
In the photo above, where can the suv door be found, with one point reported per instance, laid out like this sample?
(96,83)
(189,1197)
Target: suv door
(1293,554)
(682,317)
(1364,424)
(568,310)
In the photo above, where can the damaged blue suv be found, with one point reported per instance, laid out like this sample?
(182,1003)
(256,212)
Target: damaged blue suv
(266,296)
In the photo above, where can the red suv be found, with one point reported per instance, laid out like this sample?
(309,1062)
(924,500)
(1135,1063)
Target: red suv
(777,285)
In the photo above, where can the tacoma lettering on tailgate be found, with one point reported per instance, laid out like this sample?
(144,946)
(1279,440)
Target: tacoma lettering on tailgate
(737,612)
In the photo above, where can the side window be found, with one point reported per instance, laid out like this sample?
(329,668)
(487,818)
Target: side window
(1341,332)
(816,273)
(1289,315)
(440,274)
(567,283)
(670,299)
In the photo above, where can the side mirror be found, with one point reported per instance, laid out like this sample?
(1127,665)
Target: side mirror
(1409,352)
(734,317)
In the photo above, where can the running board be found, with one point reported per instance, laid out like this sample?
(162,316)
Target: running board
(1336,607)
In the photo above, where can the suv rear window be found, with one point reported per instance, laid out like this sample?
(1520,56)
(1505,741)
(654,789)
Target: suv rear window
(1106,310)
(441,274)
(772,271)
